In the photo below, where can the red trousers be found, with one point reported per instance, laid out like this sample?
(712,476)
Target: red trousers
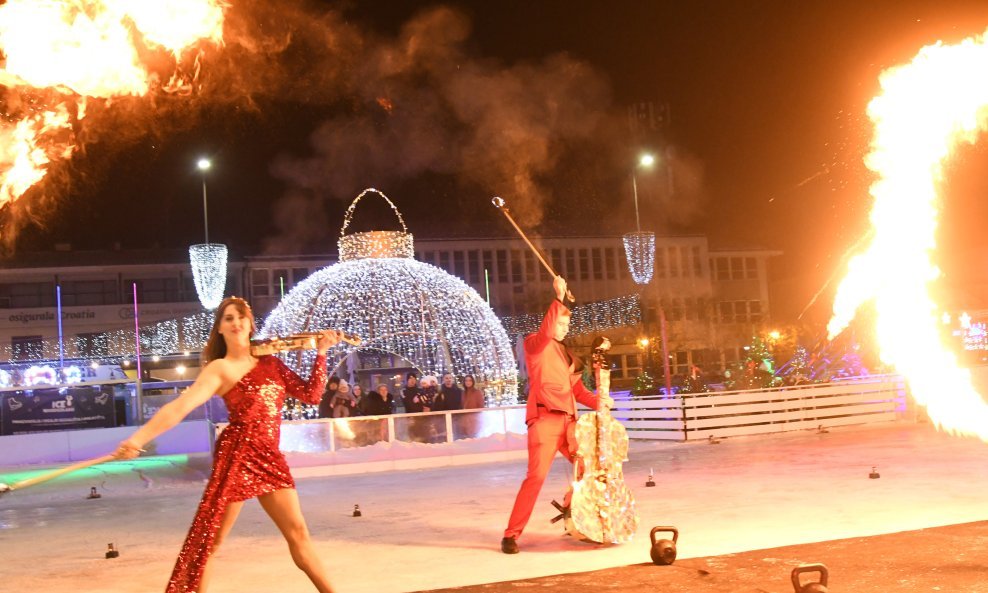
(546,435)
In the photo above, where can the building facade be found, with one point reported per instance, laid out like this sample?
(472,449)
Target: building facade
(711,300)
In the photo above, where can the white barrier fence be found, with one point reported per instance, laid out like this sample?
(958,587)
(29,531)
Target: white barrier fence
(698,416)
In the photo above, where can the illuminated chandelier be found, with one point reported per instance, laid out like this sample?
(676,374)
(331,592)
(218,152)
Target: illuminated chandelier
(399,306)
(209,272)
(639,248)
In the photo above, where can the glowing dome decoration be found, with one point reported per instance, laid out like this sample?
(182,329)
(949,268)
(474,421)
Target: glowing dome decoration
(400,306)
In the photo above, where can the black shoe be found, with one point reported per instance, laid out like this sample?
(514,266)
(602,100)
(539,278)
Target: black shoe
(509,545)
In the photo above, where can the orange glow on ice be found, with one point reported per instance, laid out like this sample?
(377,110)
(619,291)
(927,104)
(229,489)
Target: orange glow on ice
(925,109)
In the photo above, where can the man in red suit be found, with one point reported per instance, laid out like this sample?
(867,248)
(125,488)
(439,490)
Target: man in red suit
(555,385)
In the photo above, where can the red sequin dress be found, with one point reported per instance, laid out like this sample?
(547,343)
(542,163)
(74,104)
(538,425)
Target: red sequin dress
(247,462)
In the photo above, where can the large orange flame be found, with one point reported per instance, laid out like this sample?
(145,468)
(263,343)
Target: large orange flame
(80,49)
(926,108)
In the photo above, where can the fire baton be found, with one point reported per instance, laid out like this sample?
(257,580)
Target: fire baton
(4,488)
(500,205)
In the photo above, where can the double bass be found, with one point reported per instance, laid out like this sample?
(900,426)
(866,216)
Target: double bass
(602,508)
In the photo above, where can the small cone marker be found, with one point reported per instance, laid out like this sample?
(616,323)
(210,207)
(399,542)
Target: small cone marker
(111,552)
(94,494)
(651,480)
(874,474)
(356,511)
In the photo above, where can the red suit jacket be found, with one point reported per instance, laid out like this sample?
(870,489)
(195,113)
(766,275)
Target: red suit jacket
(554,373)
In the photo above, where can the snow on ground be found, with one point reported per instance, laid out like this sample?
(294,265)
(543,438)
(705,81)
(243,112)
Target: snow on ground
(441,527)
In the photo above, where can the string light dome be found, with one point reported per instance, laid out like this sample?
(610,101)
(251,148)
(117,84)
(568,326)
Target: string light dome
(400,306)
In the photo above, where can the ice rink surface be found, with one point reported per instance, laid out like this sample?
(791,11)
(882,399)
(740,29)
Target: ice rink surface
(435,528)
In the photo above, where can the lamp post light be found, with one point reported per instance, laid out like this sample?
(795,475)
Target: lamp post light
(208,259)
(204,165)
(639,247)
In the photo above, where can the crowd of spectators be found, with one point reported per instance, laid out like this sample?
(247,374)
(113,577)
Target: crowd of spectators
(425,394)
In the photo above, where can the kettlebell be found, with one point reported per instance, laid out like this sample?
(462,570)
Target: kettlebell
(663,551)
(814,587)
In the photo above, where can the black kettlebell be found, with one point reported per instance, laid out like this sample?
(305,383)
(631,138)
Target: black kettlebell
(814,587)
(663,551)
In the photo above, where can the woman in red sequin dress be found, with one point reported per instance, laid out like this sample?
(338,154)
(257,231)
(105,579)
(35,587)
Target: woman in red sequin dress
(247,463)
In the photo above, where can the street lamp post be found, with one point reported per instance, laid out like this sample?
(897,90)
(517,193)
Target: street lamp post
(208,259)
(639,247)
(204,164)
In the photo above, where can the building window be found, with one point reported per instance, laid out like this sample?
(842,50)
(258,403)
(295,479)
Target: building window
(516,274)
(697,263)
(737,268)
(723,268)
(726,312)
(750,268)
(609,262)
(676,311)
(684,261)
(689,308)
(299,274)
(89,345)
(459,264)
(89,292)
(26,347)
(444,261)
(754,311)
(502,265)
(153,290)
(27,295)
(598,264)
(488,266)
(529,266)
(571,263)
(557,262)
(260,282)
(660,263)
(584,264)
(473,265)
(673,262)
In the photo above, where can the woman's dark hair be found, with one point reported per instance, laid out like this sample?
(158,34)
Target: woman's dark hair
(472,380)
(597,342)
(216,345)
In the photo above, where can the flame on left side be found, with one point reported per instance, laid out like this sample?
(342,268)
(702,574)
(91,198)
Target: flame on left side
(926,108)
(58,53)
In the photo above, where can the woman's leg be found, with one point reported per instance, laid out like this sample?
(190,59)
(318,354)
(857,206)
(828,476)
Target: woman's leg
(283,508)
(229,518)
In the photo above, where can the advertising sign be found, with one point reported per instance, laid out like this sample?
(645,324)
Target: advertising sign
(70,408)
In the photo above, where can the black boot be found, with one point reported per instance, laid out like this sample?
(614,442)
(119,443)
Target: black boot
(509,545)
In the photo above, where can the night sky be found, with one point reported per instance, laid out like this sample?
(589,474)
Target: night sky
(443,105)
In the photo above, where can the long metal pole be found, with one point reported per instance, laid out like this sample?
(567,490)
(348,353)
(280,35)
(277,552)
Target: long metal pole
(61,336)
(665,350)
(205,210)
(138,388)
(634,185)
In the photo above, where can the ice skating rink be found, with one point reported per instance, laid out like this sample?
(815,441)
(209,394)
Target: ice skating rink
(434,528)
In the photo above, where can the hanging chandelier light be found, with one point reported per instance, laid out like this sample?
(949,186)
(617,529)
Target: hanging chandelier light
(209,272)
(208,259)
(639,247)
